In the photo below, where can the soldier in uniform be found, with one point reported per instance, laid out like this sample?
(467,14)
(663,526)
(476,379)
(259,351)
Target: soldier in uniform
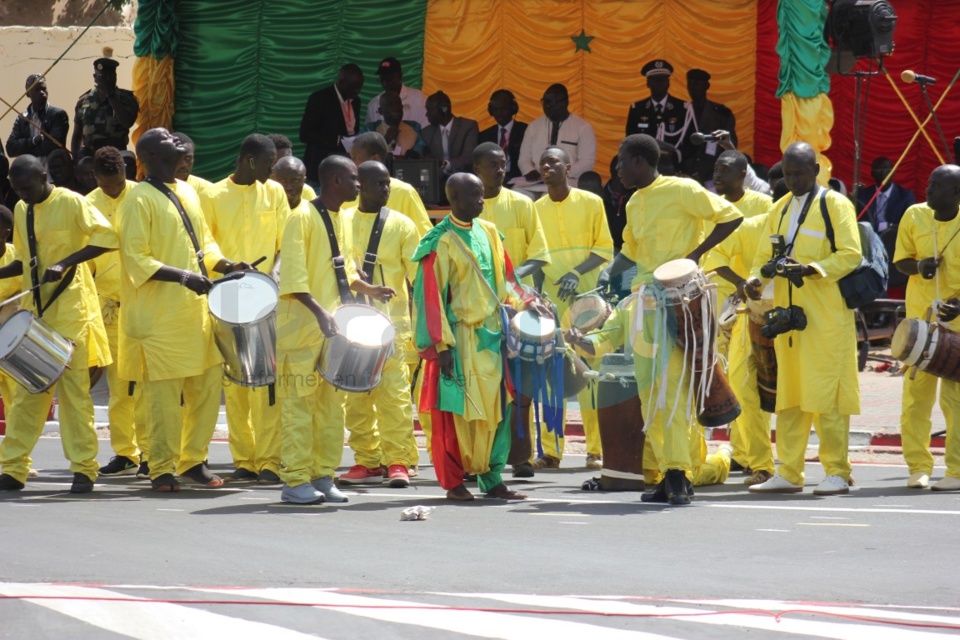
(661,115)
(708,116)
(104,114)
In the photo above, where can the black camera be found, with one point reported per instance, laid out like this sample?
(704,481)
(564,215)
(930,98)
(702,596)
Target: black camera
(781,265)
(782,319)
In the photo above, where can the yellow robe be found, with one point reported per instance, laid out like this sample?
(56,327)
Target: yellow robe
(515,216)
(106,268)
(308,193)
(165,329)
(806,378)
(752,204)
(8,287)
(65,223)
(199,184)
(405,199)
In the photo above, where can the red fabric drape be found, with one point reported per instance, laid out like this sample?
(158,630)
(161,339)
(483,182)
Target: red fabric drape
(767,111)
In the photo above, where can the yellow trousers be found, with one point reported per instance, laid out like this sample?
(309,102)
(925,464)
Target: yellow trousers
(254,428)
(311,436)
(380,423)
(919,395)
(123,432)
(591,426)
(422,416)
(793,433)
(180,437)
(27,414)
(706,468)
(749,433)
(669,436)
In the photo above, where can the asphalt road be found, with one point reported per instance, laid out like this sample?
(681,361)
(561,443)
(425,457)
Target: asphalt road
(236,563)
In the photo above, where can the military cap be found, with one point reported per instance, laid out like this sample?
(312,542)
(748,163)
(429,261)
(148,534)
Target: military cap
(106,63)
(657,67)
(698,74)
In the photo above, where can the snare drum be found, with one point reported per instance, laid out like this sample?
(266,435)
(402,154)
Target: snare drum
(244,312)
(532,337)
(32,353)
(931,348)
(588,312)
(353,360)
(621,425)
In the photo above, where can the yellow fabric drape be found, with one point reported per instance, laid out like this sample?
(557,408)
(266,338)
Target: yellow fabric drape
(473,47)
(808,120)
(153,85)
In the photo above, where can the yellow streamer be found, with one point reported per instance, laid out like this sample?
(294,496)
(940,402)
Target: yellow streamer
(153,85)
(808,120)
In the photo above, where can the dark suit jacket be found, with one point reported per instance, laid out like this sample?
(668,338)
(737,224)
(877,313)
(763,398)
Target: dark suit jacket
(323,125)
(463,140)
(695,158)
(513,144)
(898,201)
(54,121)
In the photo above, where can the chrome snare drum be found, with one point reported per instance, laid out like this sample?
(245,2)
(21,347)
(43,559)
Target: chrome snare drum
(244,312)
(32,353)
(353,360)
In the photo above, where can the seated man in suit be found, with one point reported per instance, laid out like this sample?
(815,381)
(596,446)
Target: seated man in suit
(507,132)
(449,138)
(402,136)
(331,114)
(893,200)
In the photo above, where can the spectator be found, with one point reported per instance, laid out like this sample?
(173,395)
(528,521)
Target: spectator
(707,116)
(507,132)
(413,100)
(449,138)
(558,128)
(26,136)
(104,114)
(661,115)
(893,200)
(61,171)
(402,136)
(332,114)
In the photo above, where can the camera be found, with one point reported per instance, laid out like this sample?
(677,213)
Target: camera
(781,265)
(782,319)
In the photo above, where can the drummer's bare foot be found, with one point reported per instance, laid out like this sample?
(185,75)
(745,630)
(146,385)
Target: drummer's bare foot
(504,493)
(460,494)
(201,475)
(165,483)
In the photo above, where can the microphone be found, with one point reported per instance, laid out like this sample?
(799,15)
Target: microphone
(698,138)
(910,77)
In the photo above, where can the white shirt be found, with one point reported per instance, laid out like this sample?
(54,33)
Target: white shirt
(346,106)
(509,129)
(414,106)
(576,138)
(796,206)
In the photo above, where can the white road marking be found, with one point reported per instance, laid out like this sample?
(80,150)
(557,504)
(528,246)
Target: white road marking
(934,512)
(832,524)
(776,530)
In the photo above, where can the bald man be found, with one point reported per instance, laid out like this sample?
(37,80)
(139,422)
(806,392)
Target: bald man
(56,232)
(811,388)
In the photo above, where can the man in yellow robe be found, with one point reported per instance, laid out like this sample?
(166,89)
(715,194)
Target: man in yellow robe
(166,336)
(185,168)
(811,388)
(112,188)
(311,440)
(381,422)
(246,213)
(9,287)
(578,236)
(57,232)
(666,218)
(928,252)
(461,286)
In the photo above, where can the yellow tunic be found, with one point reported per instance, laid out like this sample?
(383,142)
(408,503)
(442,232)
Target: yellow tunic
(406,200)
(106,268)
(915,240)
(307,268)
(808,378)
(165,330)
(64,224)
(308,193)
(246,221)
(666,221)
(515,216)
(199,184)
(752,204)
(574,229)
(10,286)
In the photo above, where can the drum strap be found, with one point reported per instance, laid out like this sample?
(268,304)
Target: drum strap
(339,264)
(35,269)
(165,190)
(373,247)
(800,220)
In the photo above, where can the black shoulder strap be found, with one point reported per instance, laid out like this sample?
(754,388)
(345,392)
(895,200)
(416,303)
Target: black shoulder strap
(826,221)
(165,190)
(373,246)
(339,265)
(35,269)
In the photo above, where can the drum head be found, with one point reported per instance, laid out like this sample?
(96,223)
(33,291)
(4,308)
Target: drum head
(13,330)
(589,312)
(363,325)
(909,340)
(676,272)
(533,327)
(246,299)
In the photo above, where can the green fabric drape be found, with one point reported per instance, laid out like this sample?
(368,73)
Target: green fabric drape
(802,48)
(156,29)
(246,66)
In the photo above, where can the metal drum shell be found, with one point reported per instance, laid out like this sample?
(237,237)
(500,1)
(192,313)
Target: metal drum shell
(249,349)
(36,358)
(351,366)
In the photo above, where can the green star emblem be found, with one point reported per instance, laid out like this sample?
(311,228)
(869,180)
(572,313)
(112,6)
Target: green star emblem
(582,41)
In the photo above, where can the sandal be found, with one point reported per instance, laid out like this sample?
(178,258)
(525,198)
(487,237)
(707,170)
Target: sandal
(201,475)
(593,484)
(546,462)
(165,484)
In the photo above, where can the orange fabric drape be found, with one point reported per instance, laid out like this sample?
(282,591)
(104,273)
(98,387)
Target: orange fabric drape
(473,47)
(153,85)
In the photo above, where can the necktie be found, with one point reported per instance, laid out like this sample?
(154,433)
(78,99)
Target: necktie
(348,117)
(555,133)
(446,144)
(503,138)
(659,110)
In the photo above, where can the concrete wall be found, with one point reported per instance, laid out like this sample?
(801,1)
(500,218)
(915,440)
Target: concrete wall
(26,50)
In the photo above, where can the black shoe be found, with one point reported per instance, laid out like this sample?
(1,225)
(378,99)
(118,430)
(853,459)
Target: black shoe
(523,470)
(678,488)
(144,470)
(268,477)
(119,466)
(200,474)
(9,483)
(736,466)
(81,483)
(469,477)
(242,475)
(658,494)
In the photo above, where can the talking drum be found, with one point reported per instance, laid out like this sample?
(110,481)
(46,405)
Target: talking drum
(931,348)
(621,425)
(244,313)
(32,353)
(728,315)
(532,337)
(690,295)
(588,312)
(765,358)
(353,360)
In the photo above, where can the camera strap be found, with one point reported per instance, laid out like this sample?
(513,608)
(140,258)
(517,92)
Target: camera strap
(803,216)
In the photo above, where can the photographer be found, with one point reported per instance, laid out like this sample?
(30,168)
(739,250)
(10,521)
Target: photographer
(815,334)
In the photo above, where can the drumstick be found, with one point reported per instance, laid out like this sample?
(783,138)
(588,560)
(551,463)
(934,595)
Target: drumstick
(104,271)
(587,293)
(23,293)
(259,260)
(467,395)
